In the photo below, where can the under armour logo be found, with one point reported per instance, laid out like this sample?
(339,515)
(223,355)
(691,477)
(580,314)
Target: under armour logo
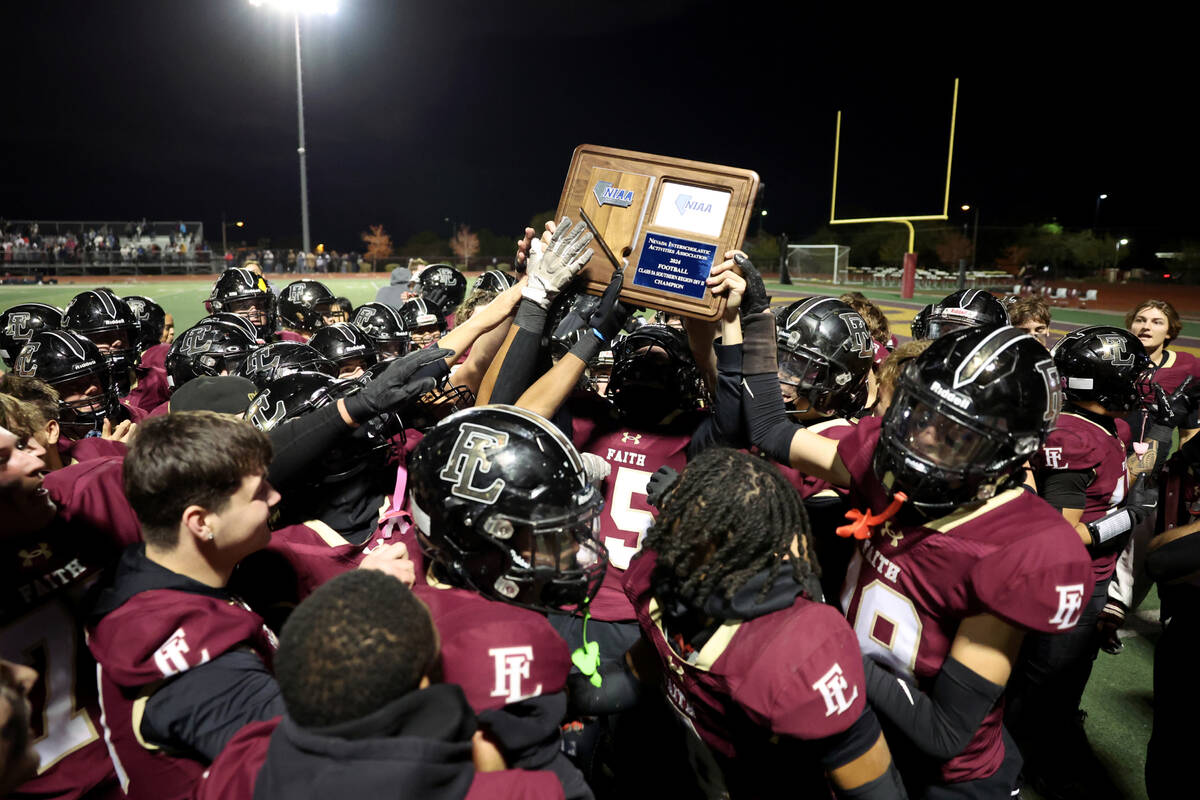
(170,657)
(470,456)
(28,556)
(512,666)
(627,437)
(1053,456)
(1070,605)
(833,686)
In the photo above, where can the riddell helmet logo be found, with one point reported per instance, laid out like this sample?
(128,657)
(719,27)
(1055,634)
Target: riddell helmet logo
(607,194)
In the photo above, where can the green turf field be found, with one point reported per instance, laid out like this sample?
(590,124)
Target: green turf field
(1118,698)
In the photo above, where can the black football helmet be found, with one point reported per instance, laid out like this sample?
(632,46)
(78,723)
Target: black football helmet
(826,352)
(383,324)
(236,320)
(303,305)
(503,506)
(966,308)
(344,343)
(654,375)
(291,396)
(245,293)
(106,319)
(19,323)
(443,286)
(920,324)
(1104,364)
(967,413)
(151,320)
(211,348)
(417,313)
(283,358)
(73,365)
(494,280)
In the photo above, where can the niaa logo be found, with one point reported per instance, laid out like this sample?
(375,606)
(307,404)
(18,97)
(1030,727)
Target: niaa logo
(607,194)
(685,203)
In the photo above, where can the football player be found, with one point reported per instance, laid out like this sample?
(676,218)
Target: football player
(727,598)
(109,322)
(966,308)
(240,291)
(1080,470)
(304,308)
(19,323)
(384,325)
(59,531)
(1032,315)
(357,667)
(443,287)
(182,662)
(151,389)
(210,348)
(423,320)
(349,347)
(956,561)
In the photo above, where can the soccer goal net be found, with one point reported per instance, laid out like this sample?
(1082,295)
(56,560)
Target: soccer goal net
(819,262)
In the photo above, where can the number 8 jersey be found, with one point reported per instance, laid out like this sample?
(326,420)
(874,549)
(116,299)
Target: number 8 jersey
(911,584)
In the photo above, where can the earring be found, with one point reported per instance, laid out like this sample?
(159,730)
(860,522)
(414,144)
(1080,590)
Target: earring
(211,536)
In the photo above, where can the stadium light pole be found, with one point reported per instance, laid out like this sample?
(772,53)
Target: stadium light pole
(296,8)
(975,234)
(1120,244)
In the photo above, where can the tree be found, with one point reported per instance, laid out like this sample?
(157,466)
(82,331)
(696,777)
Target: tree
(379,244)
(427,245)
(952,248)
(1015,256)
(464,244)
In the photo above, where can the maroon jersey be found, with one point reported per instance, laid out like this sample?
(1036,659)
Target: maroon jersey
(152,389)
(497,653)
(910,585)
(1173,367)
(796,672)
(150,638)
(42,582)
(233,774)
(808,486)
(291,336)
(634,456)
(94,447)
(1078,443)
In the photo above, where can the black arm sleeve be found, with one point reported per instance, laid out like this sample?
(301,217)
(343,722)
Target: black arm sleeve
(1175,559)
(302,441)
(941,723)
(529,734)
(766,421)
(203,708)
(521,361)
(1065,488)
(725,425)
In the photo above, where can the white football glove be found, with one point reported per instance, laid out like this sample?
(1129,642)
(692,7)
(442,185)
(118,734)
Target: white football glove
(551,267)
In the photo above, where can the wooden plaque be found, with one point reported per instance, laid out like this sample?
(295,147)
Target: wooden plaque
(671,218)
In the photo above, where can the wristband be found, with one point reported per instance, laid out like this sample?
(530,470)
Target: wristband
(1110,526)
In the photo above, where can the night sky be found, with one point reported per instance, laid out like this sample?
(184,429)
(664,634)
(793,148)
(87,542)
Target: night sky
(419,111)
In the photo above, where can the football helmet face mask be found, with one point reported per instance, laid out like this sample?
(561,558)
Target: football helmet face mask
(283,358)
(967,413)
(109,322)
(348,347)
(825,355)
(654,375)
(424,321)
(213,348)
(21,322)
(245,293)
(443,286)
(76,368)
(383,324)
(304,305)
(1106,365)
(966,308)
(502,504)
(151,320)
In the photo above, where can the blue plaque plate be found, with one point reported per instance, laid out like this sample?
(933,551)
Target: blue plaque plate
(676,266)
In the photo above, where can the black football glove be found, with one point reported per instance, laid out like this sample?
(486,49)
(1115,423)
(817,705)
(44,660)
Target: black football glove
(1174,410)
(660,485)
(610,313)
(439,298)
(394,387)
(755,298)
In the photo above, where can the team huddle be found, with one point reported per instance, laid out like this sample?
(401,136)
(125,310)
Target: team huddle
(521,541)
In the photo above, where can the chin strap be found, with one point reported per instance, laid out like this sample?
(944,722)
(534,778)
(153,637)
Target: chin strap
(862,523)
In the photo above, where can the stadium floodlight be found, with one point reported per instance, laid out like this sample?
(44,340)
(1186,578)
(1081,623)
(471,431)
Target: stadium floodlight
(300,6)
(296,8)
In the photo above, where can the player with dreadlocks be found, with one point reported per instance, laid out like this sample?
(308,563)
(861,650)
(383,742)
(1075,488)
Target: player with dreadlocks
(767,680)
